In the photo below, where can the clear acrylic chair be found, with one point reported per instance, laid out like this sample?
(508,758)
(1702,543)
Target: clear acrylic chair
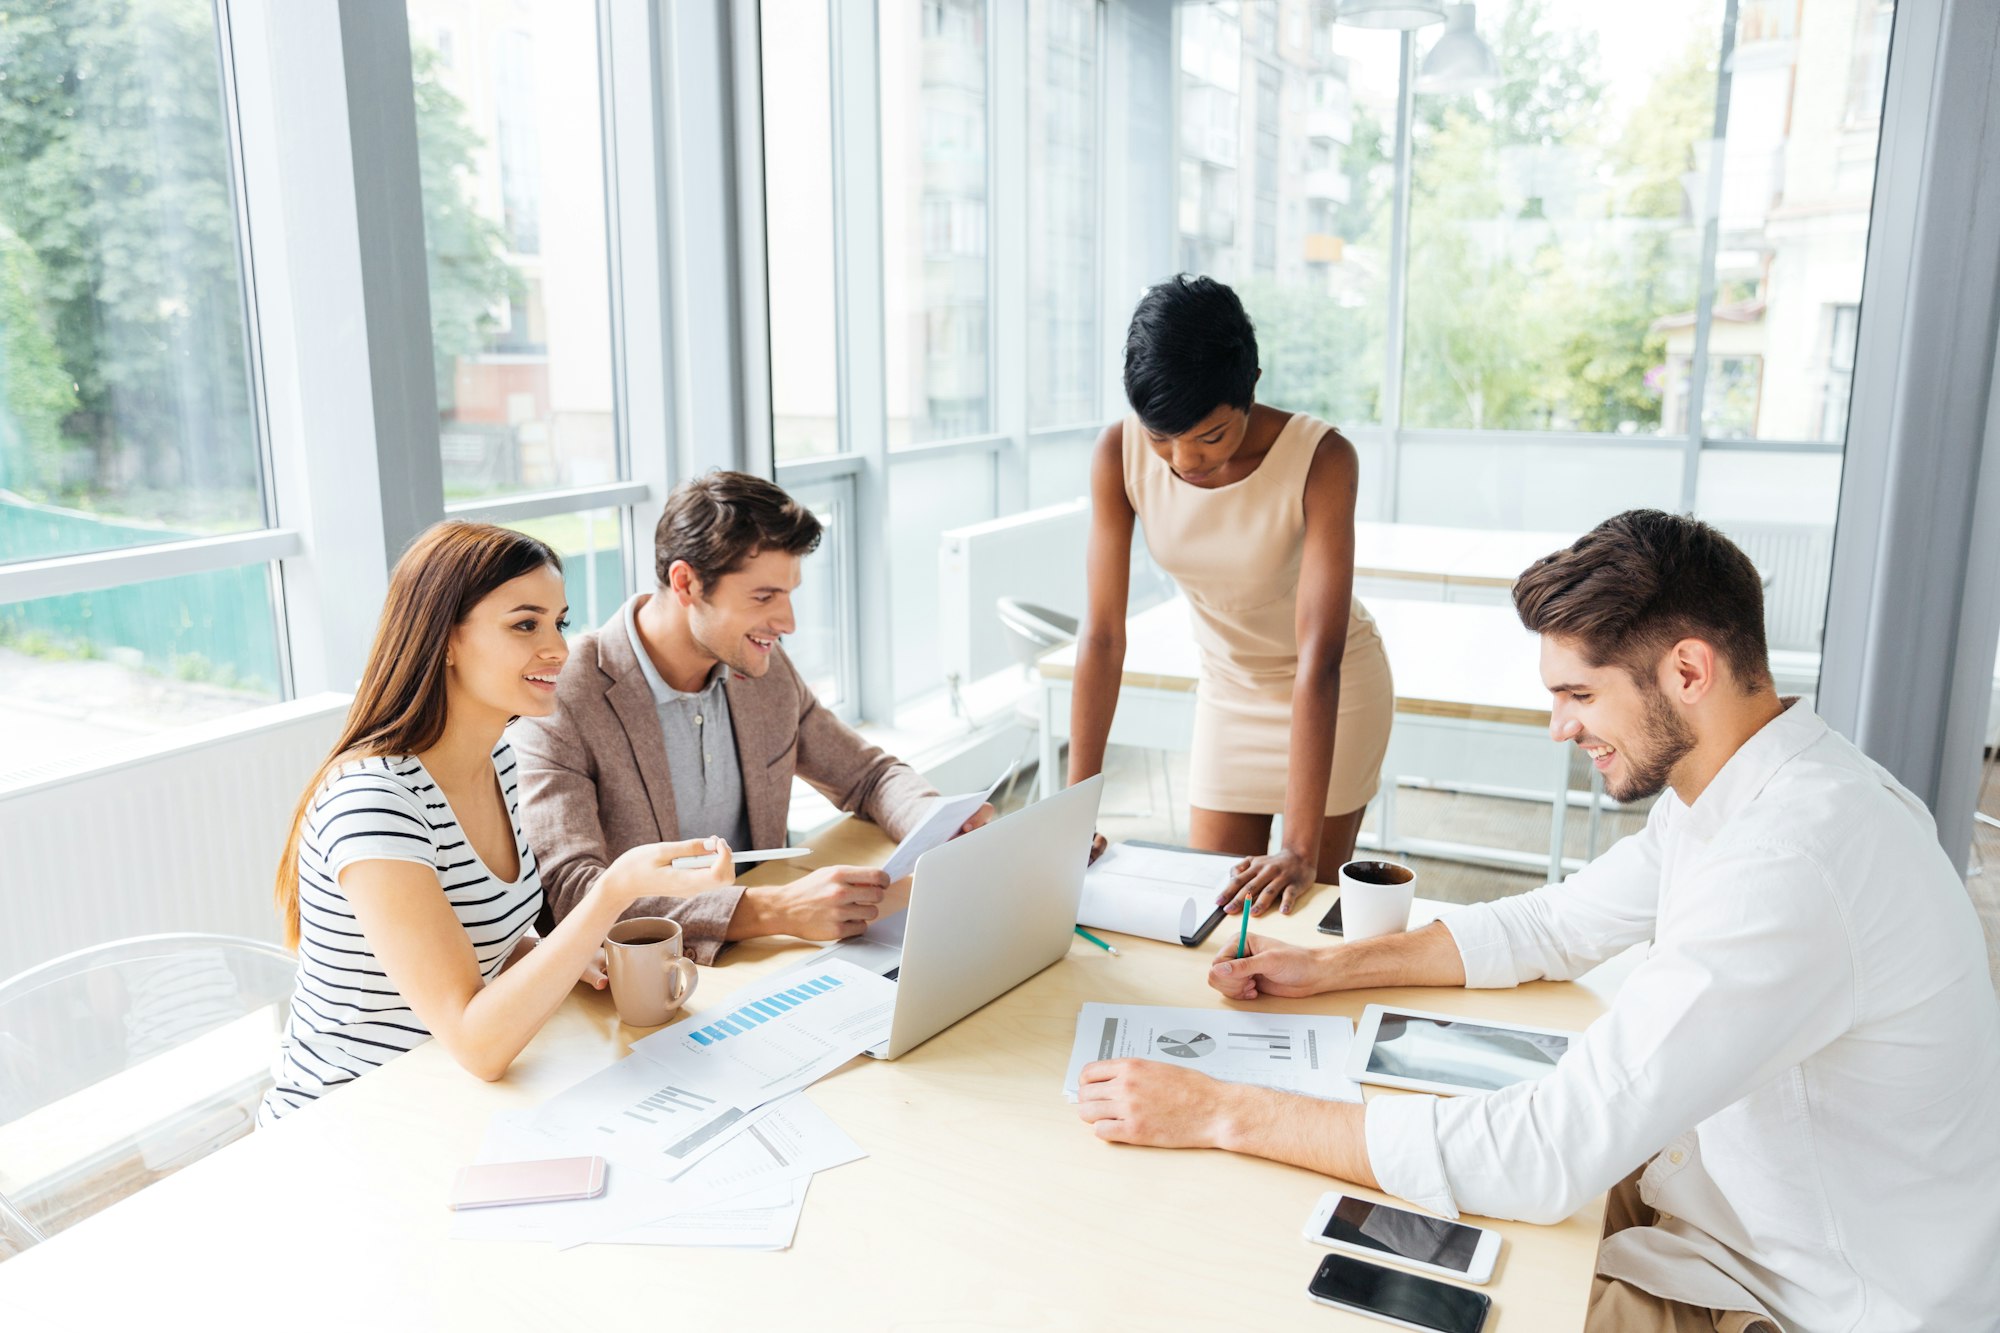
(122,1063)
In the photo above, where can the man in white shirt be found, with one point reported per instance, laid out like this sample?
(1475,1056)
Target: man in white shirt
(1806,1064)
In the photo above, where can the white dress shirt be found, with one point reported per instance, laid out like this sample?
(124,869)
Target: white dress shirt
(1811,1047)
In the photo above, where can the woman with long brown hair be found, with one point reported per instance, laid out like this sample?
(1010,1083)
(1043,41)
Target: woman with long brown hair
(406,885)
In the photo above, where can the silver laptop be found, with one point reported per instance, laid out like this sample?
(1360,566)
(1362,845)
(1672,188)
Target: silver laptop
(987,911)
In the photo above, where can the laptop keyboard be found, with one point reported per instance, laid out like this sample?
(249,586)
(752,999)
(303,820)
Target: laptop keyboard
(893,973)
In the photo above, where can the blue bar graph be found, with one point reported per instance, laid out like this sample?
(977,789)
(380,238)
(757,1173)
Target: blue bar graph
(758,1012)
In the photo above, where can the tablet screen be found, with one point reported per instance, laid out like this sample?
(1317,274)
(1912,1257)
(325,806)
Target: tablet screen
(1468,1055)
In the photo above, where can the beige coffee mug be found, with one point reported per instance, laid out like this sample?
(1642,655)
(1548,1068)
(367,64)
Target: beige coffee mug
(1375,898)
(649,977)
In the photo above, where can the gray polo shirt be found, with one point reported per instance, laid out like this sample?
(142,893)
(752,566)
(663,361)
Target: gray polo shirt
(701,750)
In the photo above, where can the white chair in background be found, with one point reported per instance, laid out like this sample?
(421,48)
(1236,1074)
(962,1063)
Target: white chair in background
(122,1063)
(1035,631)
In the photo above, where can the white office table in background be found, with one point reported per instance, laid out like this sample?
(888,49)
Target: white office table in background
(984,1202)
(1415,560)
(1470,706)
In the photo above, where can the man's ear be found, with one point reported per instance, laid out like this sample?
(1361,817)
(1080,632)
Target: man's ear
(1690,671)
(681,581)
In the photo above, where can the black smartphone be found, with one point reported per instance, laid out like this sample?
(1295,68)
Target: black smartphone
(1330,923)
(1206,928)
(1403,1299)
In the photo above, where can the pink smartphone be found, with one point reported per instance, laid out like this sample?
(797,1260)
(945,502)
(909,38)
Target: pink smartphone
(493,1184)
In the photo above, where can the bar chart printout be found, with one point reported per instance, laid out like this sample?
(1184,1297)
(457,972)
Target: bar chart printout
(778,1035)
(1293,1052)
(675,1099)
(758,1012)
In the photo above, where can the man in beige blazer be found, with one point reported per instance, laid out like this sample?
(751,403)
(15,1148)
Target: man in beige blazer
(680,717)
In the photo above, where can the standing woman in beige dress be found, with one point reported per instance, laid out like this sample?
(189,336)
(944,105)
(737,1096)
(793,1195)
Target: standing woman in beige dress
(1251,510)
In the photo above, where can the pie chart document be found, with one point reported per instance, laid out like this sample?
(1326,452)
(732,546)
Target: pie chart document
(1291,1052)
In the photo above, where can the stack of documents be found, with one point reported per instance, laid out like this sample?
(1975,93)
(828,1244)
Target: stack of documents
(1302,1053)
(1157,893)
(709,1137)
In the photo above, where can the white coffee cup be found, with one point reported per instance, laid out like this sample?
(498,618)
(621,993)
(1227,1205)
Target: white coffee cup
(1375,898)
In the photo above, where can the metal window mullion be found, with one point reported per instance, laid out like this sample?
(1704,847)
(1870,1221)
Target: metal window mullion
(1100,92)
(965,444)
(1138,170)
(849,707)
(1114,194)
(1008,219)
(638,220)
(1396,333)
(1914,597)
(341,309)
(66,575)
(860,318)
(704,244)
(621,427)
(518,509)
(1711,236)
(746,47)
(1557,439)
(810,471)
(1713,446)
(274,581)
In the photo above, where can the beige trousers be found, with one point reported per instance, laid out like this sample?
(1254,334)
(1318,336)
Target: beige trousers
(1620,1307)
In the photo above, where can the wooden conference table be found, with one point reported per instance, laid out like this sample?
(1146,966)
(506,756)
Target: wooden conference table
(1470,707)
(984,1201)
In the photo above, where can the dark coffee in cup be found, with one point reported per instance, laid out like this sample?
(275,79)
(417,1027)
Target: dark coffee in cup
(1379,872)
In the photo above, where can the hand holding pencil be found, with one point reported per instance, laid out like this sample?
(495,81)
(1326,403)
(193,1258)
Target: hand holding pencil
(1265,966)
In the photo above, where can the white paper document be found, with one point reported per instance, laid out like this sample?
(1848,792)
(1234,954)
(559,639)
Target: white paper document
(511,1138)
(748,1193)
(765,1220)
(1290,1052)
(1152,892)
(792,1141)
(940,823)
(688,1087)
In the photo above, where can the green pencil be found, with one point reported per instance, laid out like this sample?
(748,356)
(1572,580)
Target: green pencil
(1094,940)
(1243,935)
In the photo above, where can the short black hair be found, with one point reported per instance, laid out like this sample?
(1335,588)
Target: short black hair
(1638,583)
(1190,350)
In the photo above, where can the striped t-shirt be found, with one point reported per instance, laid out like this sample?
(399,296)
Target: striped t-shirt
(347,1017)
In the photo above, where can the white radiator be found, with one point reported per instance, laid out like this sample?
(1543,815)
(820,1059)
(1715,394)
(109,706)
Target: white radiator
(180,834)
(1037,556)
(1797,558)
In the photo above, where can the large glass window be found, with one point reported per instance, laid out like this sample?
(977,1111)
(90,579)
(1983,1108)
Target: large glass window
(1797,182)
(1555,226)
(125,398)
(127,411)
(1567,349)
(593,556)
(1063,350)
(1307,243)
(88,671)
(934,219)
(798,228)
(511,146)
(821,647)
